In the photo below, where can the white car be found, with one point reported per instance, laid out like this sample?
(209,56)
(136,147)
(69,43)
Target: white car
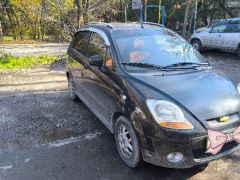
(224,35)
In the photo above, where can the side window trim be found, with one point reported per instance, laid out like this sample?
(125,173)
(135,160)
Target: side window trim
(100,32)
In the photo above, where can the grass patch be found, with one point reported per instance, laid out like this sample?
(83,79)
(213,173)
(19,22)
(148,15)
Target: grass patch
(8,62)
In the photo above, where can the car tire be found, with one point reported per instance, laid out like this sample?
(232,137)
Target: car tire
(197,45)
(127,143)
(71,89)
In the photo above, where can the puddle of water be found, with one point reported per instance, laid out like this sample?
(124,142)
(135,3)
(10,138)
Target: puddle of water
(64,142)
(6,167)
(51,138)
(27,160)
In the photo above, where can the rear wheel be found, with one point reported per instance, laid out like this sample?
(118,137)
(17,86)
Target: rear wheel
(127,143)
(71,89)
(197,45)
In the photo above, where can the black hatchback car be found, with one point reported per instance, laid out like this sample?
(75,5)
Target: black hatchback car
(159,96)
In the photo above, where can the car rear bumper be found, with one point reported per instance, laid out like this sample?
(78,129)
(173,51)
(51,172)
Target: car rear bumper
(193,152)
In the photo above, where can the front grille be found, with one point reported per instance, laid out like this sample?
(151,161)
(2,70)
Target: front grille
(215,123)
(200,153)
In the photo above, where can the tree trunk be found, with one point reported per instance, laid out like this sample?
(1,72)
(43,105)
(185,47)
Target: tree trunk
(221,5)
(191,12)
(186,18)
(77,3)
(85,4)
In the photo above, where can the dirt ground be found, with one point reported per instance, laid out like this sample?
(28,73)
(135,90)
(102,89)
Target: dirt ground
(51,49)
(44,135)
(45,78)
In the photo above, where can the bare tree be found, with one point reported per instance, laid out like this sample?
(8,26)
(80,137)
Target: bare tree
(188,4)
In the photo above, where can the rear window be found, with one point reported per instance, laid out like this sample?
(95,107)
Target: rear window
(81,41)
(233,27)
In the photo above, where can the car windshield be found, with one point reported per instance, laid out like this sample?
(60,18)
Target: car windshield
(160,47)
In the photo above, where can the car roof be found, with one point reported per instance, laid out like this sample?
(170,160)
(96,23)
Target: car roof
(228,20)
(123,26)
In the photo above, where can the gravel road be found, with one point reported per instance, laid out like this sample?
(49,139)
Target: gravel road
(44,135)
(50,49)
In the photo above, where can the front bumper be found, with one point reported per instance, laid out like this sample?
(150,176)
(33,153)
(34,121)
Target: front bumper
(193,152)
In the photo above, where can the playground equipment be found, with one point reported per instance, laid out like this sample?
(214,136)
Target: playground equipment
(137,5)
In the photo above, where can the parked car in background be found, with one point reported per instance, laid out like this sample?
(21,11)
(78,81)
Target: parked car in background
(154,92)
(213,23)
(223,35)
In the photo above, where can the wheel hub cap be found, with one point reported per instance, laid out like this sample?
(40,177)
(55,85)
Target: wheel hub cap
(125,142)
(196,46)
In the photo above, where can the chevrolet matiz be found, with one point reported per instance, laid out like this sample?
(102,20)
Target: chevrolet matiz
(160,97)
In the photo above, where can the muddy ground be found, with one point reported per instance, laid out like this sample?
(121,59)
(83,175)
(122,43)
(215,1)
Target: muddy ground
(44,135)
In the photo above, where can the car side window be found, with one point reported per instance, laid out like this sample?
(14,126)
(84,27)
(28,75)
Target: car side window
(97,46)
(80,42)
(109,60)
(233,28)
(220,28)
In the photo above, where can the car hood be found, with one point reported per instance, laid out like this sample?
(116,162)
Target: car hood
(207,94)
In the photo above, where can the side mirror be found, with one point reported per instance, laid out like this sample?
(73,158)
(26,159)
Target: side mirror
(96,60)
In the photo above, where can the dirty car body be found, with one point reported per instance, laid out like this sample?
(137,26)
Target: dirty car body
(167,80)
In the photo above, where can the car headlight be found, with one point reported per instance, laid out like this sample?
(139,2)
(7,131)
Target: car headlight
(238,87)
(168,115)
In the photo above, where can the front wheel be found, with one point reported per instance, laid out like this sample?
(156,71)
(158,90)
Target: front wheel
(127,143)
(197,45)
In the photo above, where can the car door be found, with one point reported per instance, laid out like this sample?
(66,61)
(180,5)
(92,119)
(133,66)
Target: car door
(102,93)
(215,38)
(78,59)
(232,36)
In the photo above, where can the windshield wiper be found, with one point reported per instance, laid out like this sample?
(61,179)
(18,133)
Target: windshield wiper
(157,67)
(144,65)
(187,64)
(152,66)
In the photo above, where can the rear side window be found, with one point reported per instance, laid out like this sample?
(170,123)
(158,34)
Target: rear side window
(233,28)
(81,41)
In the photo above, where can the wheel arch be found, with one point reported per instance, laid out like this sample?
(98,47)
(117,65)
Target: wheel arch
(136,123)
(115,116)
(195,38)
